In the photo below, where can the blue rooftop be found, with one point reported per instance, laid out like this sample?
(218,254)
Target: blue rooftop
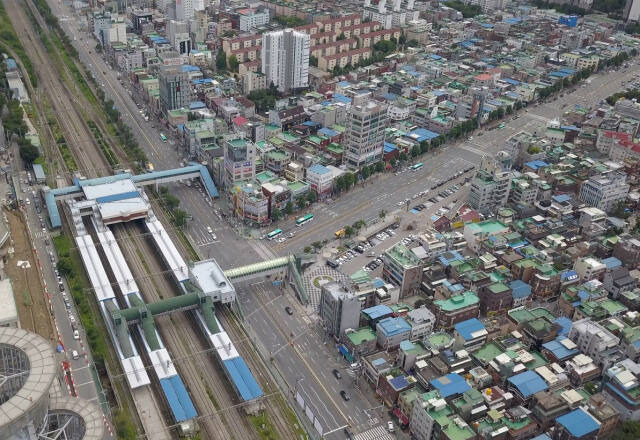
(242,379)
(311,123)
(542,437)
(190,68)
(511,81)
(514,20)
(393,326)
(566,325)
(422,134)
(612,262)
(558,350)
(399,382)
(178,398)
(341,98)
(520,289)
(569,275)
(528,383)
(467,328)
(450,385)
(377,312)
(319,169)
(389,147)
(196,105)
(561,198)
(569,128)
(578,423)
(449,257)
(328,132)
(433,56)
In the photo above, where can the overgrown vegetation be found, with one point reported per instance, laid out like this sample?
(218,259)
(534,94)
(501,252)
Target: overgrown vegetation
(9,39)
(104,147)
(264,427)
(627,94)
(264,99)
(468,11)
(612,7)
(287,21)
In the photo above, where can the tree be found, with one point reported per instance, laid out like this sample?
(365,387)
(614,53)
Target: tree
(275,214)
(366,172)
(393,161)
(221,60)
(313,61)
(342,36)
(415,151)
(312,197)
(29,152)
(301,203)
(264,99)
(233,63)
(180,218)
(288,208)
(339,184)
(348,231)
(419,303)
(307,249)
(125,430)
(379,167)
(64,266)
(382,213)
(403,157)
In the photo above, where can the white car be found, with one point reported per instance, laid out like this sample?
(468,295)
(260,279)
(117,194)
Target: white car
(76,335)
(390,426)
(75,355)
(209,230)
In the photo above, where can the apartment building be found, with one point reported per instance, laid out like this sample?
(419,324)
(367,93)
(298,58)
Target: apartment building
(339,309)
(285,59)
(593,339)
(364,136)
(402,268)
(490,186)
(604,191)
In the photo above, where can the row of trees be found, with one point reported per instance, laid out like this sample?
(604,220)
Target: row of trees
(627,94)
(301,203)
(380,50)
(172,204)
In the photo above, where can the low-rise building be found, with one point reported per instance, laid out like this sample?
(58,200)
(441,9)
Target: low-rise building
(593,339)
(576,425)
(622,388)
(391,331)
(469,335)
(456,309)
(422,321)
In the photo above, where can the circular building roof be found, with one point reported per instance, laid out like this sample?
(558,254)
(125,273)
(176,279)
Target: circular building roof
(27,370)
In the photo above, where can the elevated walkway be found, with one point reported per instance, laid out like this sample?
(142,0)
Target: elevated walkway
(193,170)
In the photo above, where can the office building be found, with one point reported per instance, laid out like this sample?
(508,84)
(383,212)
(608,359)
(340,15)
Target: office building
(402,268)
(490,186)
(184,10)
(175,88)
(178,35)
(339,309)
(285,59)
(605,190)
(364,137)
(239,160)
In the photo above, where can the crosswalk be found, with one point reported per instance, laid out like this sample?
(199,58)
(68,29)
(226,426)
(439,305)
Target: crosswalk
(40,234)
(376,433)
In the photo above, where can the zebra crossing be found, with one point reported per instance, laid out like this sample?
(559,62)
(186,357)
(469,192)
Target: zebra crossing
(376,433)
(40,234)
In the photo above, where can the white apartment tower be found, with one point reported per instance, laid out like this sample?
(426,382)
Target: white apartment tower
(364,139)
(184,10)
(285,59)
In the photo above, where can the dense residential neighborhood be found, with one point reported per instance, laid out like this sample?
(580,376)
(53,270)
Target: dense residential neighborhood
(365,219)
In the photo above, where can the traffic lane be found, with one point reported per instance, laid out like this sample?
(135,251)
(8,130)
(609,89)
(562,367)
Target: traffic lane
(312,344)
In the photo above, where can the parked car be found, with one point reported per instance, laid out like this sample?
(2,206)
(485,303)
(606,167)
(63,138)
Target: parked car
(345,396)
(337,374)
(288,310)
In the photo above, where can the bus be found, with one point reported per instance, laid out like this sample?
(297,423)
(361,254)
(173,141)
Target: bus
(417,166)
(340,233)
(163,138)
(273,234)
(302,220)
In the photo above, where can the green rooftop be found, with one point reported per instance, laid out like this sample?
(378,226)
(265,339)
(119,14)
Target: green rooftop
(487,227)
(297,186)
(487,353)
(498,288)
(364,334)
(403,256)
(466,299)
(439,339)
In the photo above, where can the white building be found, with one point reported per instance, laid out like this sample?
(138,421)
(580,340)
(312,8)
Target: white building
(178,35)
(184,10)
(364,137)
(285,59)
(490,186)
(589,268)
(421,321)
(605,191)
(321,180)
(250,18)
(397,16)
(592,339)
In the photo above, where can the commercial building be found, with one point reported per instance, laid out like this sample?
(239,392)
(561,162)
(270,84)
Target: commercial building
(178,35)
(364,137)
(402,268)
(392,331)
(252,18)
(605,191)
(285,59)
(239,160)
(175,88)
(339,309)
(184,10)
(490,186)
(321,180)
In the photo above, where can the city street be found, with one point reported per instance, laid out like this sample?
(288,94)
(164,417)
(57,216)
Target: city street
(306,366)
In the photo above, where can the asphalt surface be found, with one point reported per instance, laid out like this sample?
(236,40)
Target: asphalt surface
(308,364)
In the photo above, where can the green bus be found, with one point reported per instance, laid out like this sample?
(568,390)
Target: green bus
(302,220)
(163,138)
(417,166)
(273,234)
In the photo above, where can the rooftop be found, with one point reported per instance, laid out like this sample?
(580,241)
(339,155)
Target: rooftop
(528,383)
(471,329)
(578,422)
(457,302)
(361,335)
(450,384)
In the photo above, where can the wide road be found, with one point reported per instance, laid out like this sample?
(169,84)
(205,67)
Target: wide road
(312,375)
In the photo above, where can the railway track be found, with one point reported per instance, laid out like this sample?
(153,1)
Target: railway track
(202,374)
